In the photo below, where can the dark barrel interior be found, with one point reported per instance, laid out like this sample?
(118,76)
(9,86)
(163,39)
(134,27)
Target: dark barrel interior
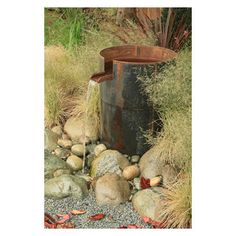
(125,111)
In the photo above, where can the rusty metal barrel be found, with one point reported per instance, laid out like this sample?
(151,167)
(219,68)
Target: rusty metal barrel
(125,111)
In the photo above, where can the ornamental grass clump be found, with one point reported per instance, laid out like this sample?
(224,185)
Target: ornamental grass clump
(170,94)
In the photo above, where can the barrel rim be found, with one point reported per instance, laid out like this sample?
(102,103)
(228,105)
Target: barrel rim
(137,47)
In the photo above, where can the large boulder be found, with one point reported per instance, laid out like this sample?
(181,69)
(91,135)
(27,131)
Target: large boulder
(109,161)
(151,165)
(111,189)
(50,140)
(53,164)
(65,186)
(77,128)
(149,202)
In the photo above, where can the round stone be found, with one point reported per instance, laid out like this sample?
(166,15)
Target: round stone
(65,143)
(134,159)
(78,149)
(99,149)
(75,162)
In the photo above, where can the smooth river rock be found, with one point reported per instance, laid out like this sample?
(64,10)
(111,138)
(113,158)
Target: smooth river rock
(78,149)
(111,189)
(65,186)
(109,161)
(52,164)
(149,202)
(151,166)
(74,162)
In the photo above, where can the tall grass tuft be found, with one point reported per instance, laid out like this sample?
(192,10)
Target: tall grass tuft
(170,94)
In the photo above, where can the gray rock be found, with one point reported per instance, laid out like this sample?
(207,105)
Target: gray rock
(65,186)
(149,202)
(57,130)
(65,143)
(136,182)
(111,189)
(89,159)
(91,148)
(150,163)
(78,149)
(62,153)
(99,149)
(53,163)
(109,161)
(134,159)
(74,162)
(50,140)
(151,166)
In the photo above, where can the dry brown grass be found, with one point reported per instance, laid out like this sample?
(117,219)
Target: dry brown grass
(177,210)
(170,94)
(63,85)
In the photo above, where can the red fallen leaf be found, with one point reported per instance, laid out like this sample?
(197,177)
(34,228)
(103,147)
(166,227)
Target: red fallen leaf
(65,217)
(96,217)
(50,225)
(133,226)
(144,183)
(146,219)
(77,212)
(155,224)
(49,221)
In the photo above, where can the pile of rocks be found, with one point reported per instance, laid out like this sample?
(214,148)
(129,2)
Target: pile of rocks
(114,177)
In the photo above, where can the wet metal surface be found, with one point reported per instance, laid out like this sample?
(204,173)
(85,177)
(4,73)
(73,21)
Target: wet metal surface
(125,112)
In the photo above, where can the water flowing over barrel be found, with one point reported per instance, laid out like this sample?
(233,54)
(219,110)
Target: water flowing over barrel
(125,111)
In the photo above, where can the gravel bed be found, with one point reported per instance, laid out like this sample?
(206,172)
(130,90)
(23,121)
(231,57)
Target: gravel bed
(122,215)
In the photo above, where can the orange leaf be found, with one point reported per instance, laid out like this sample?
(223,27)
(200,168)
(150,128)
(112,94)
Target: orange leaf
(77,212)
(66,226)
(146,219)
(64,218)
(133,226)
(97,217)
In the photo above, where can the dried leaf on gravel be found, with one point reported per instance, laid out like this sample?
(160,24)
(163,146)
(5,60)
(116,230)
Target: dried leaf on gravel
(97,217)
(133,226)
(77,212)
(155,224)
(122,227)
(70,225)
(144,183)
(65,217)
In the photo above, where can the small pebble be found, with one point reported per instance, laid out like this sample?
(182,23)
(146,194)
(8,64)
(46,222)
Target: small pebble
(99,149)
(78,149)
(75,162)
(134,159)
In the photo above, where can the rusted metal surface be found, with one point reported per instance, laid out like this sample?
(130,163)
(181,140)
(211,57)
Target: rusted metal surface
(125,112)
